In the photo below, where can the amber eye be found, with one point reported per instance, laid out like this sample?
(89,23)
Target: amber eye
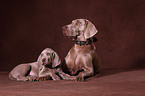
(77,23)
(42,54)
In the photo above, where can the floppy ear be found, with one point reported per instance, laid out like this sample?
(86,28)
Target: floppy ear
(39,61)
(90,30)
(56,60)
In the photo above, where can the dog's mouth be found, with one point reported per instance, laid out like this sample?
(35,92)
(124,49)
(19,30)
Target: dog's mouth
(72,37)
(65,33)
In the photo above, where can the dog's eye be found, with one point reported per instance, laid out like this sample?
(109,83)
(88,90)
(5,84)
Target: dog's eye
(42,54)
(77,23)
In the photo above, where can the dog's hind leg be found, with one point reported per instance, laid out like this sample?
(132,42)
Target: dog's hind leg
(20,72)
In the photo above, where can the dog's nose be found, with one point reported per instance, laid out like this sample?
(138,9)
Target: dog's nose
(64,33)
(64,28)
(44,59)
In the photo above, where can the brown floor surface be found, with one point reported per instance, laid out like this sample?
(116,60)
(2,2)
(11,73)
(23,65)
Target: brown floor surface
(129,83)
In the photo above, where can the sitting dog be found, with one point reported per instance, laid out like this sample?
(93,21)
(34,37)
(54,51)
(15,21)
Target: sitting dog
(82,60)
(46,67)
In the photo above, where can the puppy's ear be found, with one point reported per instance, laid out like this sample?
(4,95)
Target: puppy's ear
(90,30)
(55,59)
(39,61)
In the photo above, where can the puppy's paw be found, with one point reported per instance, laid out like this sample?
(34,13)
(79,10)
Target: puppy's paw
(70,78)
(41,79)
(79,78)
(32,78)
(67,77)
(55,78)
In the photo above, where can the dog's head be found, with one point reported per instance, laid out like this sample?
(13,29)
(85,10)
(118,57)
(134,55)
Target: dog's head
(80,29)
(49,58)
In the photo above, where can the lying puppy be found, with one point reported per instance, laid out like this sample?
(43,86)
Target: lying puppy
(82,60)
(46,67)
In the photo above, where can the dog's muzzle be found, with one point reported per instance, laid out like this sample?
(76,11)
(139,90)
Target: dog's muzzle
(65,31)
(49,65)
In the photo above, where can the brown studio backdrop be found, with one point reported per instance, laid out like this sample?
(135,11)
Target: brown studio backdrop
(29,26)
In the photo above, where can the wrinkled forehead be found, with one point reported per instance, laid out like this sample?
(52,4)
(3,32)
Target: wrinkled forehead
(79,21)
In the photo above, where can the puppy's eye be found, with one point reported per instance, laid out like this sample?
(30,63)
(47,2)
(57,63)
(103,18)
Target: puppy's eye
(42,54)
(77,23)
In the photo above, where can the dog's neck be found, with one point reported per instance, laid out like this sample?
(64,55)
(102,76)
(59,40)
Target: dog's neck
(86,42)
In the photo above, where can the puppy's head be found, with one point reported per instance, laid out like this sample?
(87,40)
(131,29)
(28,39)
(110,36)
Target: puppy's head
(49,58)
(46,58)
(80,27)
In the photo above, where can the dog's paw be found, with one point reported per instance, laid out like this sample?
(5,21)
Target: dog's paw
(32,78)
(43,78)
(79,78)
(56,78)
(70,78)
(66,76)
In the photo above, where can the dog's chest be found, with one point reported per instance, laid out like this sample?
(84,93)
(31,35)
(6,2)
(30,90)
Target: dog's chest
(70,60)
(72,66)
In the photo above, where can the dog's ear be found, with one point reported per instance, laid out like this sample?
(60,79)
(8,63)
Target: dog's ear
(90,30)
(55,59)
(39,61)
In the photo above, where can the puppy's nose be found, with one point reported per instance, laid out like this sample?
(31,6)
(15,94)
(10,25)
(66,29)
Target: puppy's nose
(44,59)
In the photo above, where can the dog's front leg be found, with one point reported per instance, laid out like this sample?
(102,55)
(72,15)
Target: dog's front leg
(64,76)
(51,73)
(83,74)
(86,67)
(22,78)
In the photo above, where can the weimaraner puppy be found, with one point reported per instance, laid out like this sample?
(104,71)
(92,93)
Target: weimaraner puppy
(82,60)
(46,67)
